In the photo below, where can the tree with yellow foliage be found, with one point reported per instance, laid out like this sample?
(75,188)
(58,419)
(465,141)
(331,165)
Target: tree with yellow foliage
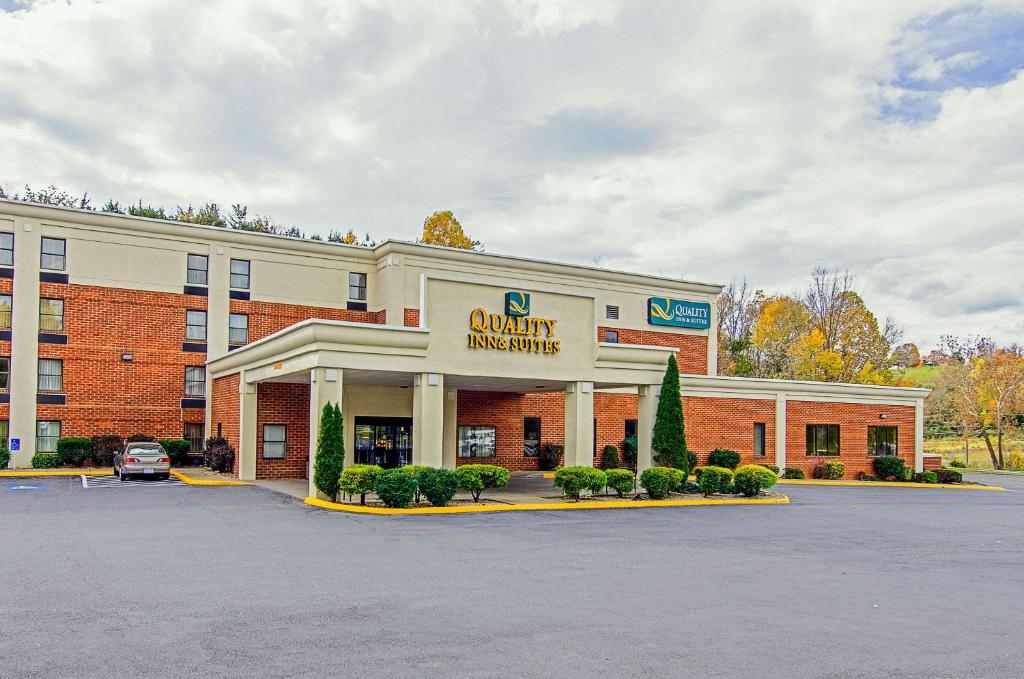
(781,323)
(442,228)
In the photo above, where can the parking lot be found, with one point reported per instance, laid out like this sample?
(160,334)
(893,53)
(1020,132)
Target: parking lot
(163,579)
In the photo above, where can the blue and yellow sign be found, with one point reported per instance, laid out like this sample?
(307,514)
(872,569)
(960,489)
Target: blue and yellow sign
(678,313)
(517,304)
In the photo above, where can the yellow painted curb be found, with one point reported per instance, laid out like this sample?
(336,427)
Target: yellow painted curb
(207,482)
(464,509)
(884,484)
(16,473)
(549,475)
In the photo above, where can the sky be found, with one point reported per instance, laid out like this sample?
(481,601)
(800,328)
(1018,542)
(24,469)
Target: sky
(708,141)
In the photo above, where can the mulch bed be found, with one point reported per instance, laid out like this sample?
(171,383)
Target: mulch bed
(457,502)
(671,496)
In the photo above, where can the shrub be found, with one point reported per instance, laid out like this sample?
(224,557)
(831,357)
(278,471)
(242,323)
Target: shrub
(889,467)
(713,479)
(657,481)
(830,470)
(668,439)
(103,449)
(864,476)
(140,438)
(219,455)
(628,446)
(949,476)
(691,461)
(676,478)
(792,473)
(73,452)
(720,457)
(5,458)
(177,450)
(44,461)
(1014,462)
(926,477)
(771,467)
(359,479)
(414,470)
(330,452)
(477,477)
(751,479)
(574,480)
(620,480)
(437,485)
(906,475)
(395,488)
(610,457)
(958,463)
(550,456)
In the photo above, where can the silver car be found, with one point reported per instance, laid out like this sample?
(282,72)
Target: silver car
(142,459)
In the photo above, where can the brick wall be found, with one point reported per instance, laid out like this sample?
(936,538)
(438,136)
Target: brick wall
(266,318)
(691,350)
(224,410)
(286,404)
(6,288)
(729,423)
(411,318)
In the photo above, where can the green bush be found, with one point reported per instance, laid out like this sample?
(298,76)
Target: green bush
(414,470)
(958,463)
(550,456)
(177,450)
(219,455)
(657,481)
(330,452)
(620,480)
(691,461)
(907,474)
(395,488)
(5,458)
(772,467)
(889,467)
(792,473)
(668,439)
(713,479)
(438,485)
(830,470)
(73,452)
(949,476)
(676,478)
(751,479)
(628,446)
(574,480)
(610,457)
(45,461)
(926,477)
(359,479)
(103,449)
(1014,463)
(720,457)
(140,438)
(478,477)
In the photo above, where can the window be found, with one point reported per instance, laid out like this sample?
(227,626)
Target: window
(611,312)
(823,439)
(195,381)
(238,328)
(5,432)
(629,431)
(759,439)
(476,441)
(47,433)
(194,433)
(5,312)
(52,254)
(357,286)
(240,274)
(5,372)
(274,441)
(611,336)
(882,440)
(51,375)
(51,315)
(6,249)
(531,436)
(195,325)
(198,265)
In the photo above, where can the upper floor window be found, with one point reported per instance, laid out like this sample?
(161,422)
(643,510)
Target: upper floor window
(238,328)
(5,312)
(51,315)
(823,439)
(5,372)
(6,249)
(195,325)
(240,274)
(198,265)
(51,375)
(357,286)
(882,440)
(195,381)
(52,257)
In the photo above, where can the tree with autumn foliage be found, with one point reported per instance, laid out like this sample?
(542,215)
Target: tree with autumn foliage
(442,228)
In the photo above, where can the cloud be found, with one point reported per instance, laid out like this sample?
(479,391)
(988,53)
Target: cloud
(704,140)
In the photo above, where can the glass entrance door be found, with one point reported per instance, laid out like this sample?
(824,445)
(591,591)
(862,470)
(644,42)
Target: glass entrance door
(384,441)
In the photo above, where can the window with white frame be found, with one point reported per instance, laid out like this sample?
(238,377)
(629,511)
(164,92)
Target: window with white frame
(197,269)
(238,328)
(52,254)
(51,375)
(47,433)
(195,381)
(195,325)
(240,274)
(274,441)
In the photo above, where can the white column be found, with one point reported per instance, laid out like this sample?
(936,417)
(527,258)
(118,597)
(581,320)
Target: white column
(428,419)
(451,430)
(216,316)
(25,341)
(325,387)
(713,340)
(646,407)
(247,412)
(919,435)
(579,424)
(780,431)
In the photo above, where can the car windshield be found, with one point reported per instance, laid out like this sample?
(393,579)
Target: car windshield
(146,450)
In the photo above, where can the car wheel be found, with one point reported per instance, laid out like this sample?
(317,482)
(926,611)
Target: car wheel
(124,477)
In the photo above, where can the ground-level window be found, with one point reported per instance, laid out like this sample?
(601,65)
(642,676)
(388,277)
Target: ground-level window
(5,431)
(759,439)
(477,441)
(194,433)
(274,437)
(882,440)
(629,431)
(823,439)
(531,436)
(47,433)
(51,375)
(195,381)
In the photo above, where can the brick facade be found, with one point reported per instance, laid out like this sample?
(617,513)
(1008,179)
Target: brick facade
(224,410)
(411,318)
(691,350)
(729,423)
(286,404)
(266,318)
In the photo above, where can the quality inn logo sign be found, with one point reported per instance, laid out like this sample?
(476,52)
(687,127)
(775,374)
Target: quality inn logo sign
(515,330)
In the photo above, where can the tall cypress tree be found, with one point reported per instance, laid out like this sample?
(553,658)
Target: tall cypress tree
(668,441)
(330,452)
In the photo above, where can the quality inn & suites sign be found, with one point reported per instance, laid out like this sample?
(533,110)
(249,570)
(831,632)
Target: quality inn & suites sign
(514,330)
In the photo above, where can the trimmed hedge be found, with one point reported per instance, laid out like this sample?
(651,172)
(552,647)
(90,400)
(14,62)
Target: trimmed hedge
(438,485)
(657,481)
(772,467)
(140,438)
(620,480)
(713,479)
(395,488)
(926,477)
(5,458)
(949,476)
(414,470)
(478,477)
(45,461)
(610,457)
(720,457)
(751,479)
(73,452)
(889,467)
(792,473)
(359,479)
(550,456)
(831,470)
(676,477)
(177,450)
(103,448)
(574,480)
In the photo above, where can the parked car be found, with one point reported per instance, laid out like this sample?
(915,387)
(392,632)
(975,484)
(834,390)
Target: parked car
(142,459)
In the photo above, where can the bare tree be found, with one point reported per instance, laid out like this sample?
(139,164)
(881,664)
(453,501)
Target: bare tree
(828,300)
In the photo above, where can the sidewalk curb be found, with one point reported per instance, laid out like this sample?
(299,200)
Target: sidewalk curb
(207,482)
(20,473)
(884,484)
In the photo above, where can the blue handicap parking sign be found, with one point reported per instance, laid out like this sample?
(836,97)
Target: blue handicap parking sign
(15,444)
(26,486)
